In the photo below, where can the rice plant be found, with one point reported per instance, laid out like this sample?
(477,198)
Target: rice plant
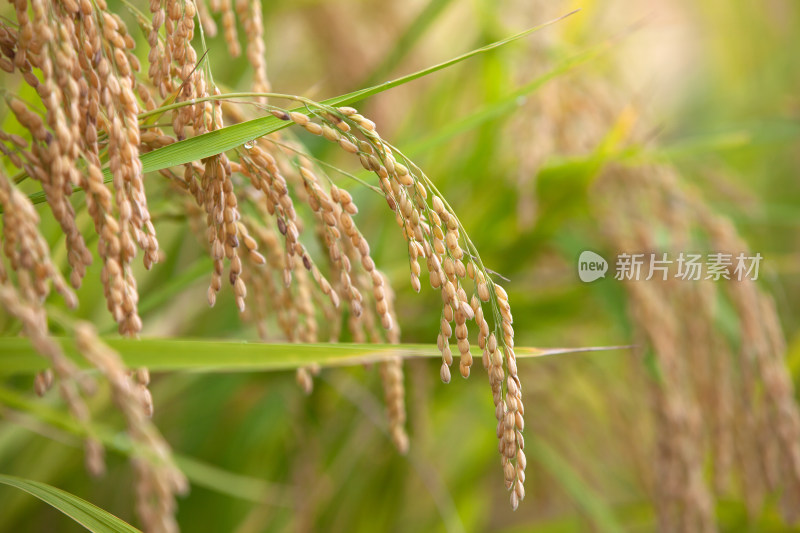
(167,210)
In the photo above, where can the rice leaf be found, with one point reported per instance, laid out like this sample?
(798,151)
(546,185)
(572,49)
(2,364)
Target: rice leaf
(169,355)
(218,141)
(86,514)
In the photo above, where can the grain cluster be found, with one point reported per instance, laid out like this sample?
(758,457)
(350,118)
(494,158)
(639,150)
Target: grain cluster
(283,236)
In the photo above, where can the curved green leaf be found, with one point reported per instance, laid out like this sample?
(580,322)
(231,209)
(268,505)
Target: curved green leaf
(218,141)
(86,514)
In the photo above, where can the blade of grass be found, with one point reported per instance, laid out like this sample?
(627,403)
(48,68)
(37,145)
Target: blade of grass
(365,93)
(86,514)
(165,355)
(233,484)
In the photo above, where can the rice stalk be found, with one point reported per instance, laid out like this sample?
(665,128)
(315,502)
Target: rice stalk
(95,121)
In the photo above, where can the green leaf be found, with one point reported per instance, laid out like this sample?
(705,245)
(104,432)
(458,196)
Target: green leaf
(86,514)
(364,93)
(165,355)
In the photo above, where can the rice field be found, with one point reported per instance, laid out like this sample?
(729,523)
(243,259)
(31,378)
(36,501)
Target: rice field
(424,266)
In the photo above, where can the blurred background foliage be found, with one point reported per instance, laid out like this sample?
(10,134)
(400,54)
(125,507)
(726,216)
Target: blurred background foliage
(515,140)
